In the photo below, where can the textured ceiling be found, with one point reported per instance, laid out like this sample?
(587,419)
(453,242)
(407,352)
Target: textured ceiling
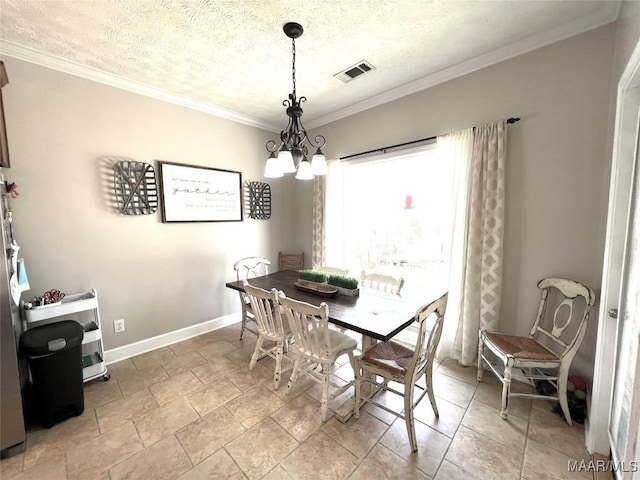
(233,58)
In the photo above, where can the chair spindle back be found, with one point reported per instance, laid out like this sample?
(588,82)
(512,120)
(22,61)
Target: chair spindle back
(266,308)
(309,327)
(382,283)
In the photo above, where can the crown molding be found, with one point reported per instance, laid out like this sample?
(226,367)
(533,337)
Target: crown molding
(56,63)
(607,15)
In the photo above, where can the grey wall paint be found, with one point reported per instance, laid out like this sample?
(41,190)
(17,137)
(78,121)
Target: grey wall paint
(162,277)
(558,154)
(158,277)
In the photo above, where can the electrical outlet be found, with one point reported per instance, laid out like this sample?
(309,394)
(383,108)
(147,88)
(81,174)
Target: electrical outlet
(118,325)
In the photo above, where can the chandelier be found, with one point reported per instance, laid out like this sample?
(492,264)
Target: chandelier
(291,154)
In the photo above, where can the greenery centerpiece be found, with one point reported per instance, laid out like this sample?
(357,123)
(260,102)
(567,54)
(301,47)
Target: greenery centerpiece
(312,276)
(345,285)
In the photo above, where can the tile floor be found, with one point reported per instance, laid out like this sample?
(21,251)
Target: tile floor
(193,410)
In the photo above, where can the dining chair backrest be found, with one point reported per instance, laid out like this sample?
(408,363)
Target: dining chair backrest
(309,327)
(564,317)
(331,270)
(425,348)
(266,308)
(383,283)
(251,267)
(290,261)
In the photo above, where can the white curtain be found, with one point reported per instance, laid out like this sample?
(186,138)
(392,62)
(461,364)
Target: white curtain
(482,266)
(477,220)
(457,148)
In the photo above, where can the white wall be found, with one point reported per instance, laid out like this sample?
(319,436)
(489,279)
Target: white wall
(158,277)
(557,157)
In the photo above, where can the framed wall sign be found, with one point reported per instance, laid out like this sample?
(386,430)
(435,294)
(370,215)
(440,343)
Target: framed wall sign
(199,194)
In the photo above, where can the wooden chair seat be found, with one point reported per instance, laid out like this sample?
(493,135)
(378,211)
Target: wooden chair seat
(389,356)
(339,343)
(520,347)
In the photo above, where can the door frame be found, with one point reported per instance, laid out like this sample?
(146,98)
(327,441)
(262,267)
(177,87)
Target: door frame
(624,147)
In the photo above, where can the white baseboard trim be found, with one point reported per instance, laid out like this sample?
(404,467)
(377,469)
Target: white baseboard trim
(127,351)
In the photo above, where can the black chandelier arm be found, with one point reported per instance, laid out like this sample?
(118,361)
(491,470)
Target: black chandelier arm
(302,99)
(273,147)
(295,125)
(284,134)
(320,141)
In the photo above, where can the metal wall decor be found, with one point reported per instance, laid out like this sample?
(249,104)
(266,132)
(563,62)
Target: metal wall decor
(135,188)
(257,197)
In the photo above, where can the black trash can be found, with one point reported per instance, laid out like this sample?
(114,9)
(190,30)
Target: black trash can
(55,361)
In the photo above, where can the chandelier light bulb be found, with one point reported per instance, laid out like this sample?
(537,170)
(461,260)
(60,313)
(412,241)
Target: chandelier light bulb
(285,159)
(272,167)
(318,163)
(304,170)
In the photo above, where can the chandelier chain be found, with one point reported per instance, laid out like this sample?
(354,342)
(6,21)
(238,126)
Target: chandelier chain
(293,67)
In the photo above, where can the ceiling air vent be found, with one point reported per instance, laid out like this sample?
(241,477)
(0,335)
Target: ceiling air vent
(354,71)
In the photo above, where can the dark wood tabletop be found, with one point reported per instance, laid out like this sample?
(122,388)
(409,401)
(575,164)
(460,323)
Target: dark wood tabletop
(375,314)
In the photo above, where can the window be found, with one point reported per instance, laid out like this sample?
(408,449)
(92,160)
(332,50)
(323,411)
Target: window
(392,214)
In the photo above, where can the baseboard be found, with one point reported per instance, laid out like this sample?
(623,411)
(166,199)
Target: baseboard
(127,351)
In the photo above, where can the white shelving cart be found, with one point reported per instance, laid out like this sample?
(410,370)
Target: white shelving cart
(85,304)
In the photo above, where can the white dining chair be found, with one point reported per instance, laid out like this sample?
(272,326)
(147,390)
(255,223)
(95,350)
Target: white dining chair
(290,261)
(271,327)
(381,282)
(547,352)
(331,270)
(247,268)
(314,343)
(396,362)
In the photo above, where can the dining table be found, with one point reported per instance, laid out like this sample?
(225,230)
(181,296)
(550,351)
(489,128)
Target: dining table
(374,314)
(377,316)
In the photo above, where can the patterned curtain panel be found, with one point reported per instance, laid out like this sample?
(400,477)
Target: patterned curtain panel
(318,246)
(482,276)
